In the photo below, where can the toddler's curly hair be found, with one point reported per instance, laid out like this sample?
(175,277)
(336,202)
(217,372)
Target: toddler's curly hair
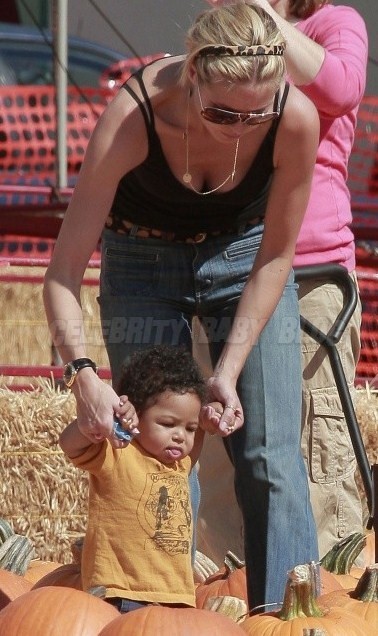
(150,372)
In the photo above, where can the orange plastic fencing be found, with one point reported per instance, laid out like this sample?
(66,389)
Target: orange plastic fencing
(28,132)
(363,185)
(363,163)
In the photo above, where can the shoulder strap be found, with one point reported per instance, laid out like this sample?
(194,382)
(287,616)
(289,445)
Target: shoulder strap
(275,123)
(284,97)
(144,104)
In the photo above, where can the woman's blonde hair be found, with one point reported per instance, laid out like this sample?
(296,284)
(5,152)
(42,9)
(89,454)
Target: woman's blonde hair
(236,25)
(304,8)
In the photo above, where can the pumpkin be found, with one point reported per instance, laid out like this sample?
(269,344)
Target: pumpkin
(300,611)
(37,569)
(157,620)
(55,611)
(328,581)
(362,601)
(68,575)
(229,581)
(11,586)
(340,559)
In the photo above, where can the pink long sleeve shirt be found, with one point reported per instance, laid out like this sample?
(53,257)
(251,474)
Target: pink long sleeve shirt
(325,236)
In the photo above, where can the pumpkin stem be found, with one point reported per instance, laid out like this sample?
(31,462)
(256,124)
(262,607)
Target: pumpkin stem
(313,631)
(232,562)
(299,599)
(342,555)
(366,589)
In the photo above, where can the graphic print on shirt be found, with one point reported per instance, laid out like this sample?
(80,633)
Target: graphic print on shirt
(164,512)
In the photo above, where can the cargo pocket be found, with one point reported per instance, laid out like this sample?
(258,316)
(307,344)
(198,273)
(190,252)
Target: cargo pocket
(331,455)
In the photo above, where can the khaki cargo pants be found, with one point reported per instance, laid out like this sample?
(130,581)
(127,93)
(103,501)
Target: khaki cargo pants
(326,444)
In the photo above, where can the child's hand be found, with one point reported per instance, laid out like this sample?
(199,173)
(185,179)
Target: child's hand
(210,417)
(126,418)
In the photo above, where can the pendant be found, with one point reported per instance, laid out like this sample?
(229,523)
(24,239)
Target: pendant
(187,177)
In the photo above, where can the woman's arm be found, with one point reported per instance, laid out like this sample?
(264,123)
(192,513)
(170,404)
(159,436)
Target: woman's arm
(294,160)
(118,143)
(329,61)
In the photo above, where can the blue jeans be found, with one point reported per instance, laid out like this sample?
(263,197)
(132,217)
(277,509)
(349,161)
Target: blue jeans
(149,292)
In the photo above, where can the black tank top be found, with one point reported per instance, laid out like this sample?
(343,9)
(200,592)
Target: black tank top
(151,196)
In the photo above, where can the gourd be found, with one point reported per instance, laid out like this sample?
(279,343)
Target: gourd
(6,530)
(203,567)
(55,611)
(16,553)
(234,608)
(300,611)
(157,620)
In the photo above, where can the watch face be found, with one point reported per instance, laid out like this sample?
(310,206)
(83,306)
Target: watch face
(69,374)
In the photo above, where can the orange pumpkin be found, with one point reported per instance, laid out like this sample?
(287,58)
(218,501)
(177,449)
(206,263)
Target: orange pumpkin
(68,575)
(156,620)
(229,581)
(37,569)
(56,611)
(300,611)
(328,581)
(362,601)
(11,586)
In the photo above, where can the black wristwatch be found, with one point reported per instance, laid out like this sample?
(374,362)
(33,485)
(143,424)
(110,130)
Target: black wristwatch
(71,369)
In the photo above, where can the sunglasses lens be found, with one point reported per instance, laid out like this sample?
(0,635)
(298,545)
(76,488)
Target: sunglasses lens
(259,119)
(217,116)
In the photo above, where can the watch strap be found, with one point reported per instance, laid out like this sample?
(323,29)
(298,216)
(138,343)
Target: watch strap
(82,363)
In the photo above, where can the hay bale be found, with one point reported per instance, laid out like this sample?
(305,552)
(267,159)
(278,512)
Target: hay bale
(25,335)
(43,496)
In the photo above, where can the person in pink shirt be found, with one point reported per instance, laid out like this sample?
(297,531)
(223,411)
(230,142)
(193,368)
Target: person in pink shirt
(326,57)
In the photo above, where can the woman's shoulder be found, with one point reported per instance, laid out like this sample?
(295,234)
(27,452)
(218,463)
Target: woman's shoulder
(298,107)
(157,76)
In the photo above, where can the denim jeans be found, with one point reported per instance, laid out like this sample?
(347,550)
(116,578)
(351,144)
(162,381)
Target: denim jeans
(149,292)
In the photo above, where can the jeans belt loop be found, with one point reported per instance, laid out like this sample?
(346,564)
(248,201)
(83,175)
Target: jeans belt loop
(133,230)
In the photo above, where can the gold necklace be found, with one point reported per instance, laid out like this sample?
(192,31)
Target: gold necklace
(187,177)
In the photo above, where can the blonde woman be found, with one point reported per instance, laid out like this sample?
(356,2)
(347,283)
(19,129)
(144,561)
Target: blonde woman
(197,178)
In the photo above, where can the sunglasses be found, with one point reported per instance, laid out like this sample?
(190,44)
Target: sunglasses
(229,117)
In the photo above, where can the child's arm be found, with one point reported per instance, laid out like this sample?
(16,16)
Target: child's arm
(197,447)
(212,413)
(72,441)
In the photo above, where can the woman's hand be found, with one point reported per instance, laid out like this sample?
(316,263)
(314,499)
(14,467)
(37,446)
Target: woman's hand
(223,414)
(97,406)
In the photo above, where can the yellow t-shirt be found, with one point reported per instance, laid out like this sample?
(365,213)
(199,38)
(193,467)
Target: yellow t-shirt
(139,534)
